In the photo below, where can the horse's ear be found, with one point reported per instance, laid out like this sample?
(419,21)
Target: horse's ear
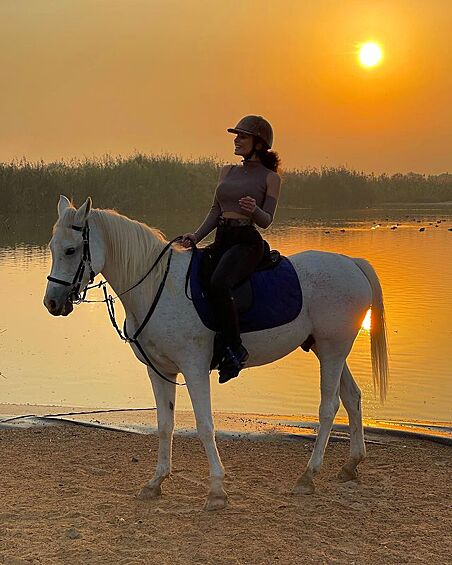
(83,212)
(63,204)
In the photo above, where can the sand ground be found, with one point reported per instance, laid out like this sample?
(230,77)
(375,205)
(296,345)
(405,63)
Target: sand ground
(67,496)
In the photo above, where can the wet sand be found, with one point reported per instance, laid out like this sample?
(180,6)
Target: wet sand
(227,424)
(67,496)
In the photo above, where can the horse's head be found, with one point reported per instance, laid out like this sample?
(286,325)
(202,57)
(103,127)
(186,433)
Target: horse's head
(77,256)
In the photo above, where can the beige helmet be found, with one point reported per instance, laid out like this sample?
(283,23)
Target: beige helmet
(255,125)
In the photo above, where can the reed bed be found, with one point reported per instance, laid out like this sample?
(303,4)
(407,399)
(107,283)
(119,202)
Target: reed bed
(168,182)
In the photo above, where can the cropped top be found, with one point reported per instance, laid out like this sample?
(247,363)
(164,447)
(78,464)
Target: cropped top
(248,179)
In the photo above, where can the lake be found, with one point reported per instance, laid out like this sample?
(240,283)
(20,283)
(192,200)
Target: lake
(80,361)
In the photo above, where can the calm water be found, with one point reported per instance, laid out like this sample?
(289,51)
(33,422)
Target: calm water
(79,361)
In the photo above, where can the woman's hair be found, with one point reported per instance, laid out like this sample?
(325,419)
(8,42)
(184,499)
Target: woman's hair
(269,159)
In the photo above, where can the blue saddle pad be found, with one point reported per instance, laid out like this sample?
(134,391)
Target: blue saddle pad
(277,297)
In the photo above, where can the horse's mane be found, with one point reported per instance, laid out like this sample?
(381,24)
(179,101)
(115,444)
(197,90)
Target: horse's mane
(131,245)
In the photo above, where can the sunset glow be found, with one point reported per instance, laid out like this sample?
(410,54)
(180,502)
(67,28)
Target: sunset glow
(370,54)
(119,91)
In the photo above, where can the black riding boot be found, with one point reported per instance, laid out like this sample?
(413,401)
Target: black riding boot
(234,354)
(232,363)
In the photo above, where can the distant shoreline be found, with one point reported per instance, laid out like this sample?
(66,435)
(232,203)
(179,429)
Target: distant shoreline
(378,206)
(413,204)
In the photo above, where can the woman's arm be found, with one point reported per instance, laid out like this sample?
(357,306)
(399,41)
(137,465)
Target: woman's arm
(211,220)
(263,217)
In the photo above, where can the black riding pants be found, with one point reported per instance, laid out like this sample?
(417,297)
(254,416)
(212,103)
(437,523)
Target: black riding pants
(232,258)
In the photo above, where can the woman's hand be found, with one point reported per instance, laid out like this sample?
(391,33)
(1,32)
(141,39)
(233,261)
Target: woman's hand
(247,204)
(188,239)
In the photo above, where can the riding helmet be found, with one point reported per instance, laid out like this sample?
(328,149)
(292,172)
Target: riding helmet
(257,126)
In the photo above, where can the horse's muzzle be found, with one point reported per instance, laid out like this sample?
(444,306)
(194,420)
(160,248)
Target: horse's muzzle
(63,309)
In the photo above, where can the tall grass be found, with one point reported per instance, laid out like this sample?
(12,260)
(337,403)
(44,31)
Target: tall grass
(129,183)
(167,182)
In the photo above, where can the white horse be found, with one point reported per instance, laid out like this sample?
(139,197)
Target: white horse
(337,292)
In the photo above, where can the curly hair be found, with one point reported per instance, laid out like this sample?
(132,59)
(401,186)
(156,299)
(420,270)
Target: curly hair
(269,159)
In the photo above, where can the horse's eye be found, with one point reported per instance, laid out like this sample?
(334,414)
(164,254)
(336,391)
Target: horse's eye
(70,251)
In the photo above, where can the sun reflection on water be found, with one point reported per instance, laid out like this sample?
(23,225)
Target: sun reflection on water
(366,322)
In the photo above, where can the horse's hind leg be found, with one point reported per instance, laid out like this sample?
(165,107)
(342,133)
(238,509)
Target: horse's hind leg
(332,360)
(351,398)
(164,393)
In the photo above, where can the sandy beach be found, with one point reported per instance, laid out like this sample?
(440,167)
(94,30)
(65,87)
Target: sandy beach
(68,496)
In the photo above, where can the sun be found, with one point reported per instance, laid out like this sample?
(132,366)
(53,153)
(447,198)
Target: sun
(370,54)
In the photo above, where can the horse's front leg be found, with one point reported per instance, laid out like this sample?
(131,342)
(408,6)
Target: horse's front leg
(165,394)
(198,382)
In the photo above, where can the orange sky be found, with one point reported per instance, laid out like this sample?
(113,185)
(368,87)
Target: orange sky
(87,77)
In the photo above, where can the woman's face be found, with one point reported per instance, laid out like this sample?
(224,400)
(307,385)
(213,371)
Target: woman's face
(243,143)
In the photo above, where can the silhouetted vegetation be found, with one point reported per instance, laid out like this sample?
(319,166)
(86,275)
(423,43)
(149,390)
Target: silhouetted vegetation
(141,182)
(343,188)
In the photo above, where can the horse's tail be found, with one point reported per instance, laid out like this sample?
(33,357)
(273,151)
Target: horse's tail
(378,334)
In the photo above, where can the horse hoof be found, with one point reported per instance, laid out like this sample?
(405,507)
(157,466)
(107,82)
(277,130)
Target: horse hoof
(149,493)
(216,502)
(347,474)
(304,487)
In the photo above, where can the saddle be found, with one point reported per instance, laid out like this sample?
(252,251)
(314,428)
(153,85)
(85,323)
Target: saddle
(270,297)
(243,293)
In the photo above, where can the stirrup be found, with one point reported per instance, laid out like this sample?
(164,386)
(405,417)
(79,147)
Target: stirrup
(233,358)
(232,363)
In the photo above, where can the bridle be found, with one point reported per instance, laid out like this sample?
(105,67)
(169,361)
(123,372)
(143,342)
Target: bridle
(76,298)
(85,262)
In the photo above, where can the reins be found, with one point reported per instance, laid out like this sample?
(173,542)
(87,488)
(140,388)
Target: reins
(76,298)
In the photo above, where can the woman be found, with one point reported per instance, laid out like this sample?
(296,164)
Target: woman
(246,194)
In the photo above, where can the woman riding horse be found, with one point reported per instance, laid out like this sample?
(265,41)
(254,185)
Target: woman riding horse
(246,195)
